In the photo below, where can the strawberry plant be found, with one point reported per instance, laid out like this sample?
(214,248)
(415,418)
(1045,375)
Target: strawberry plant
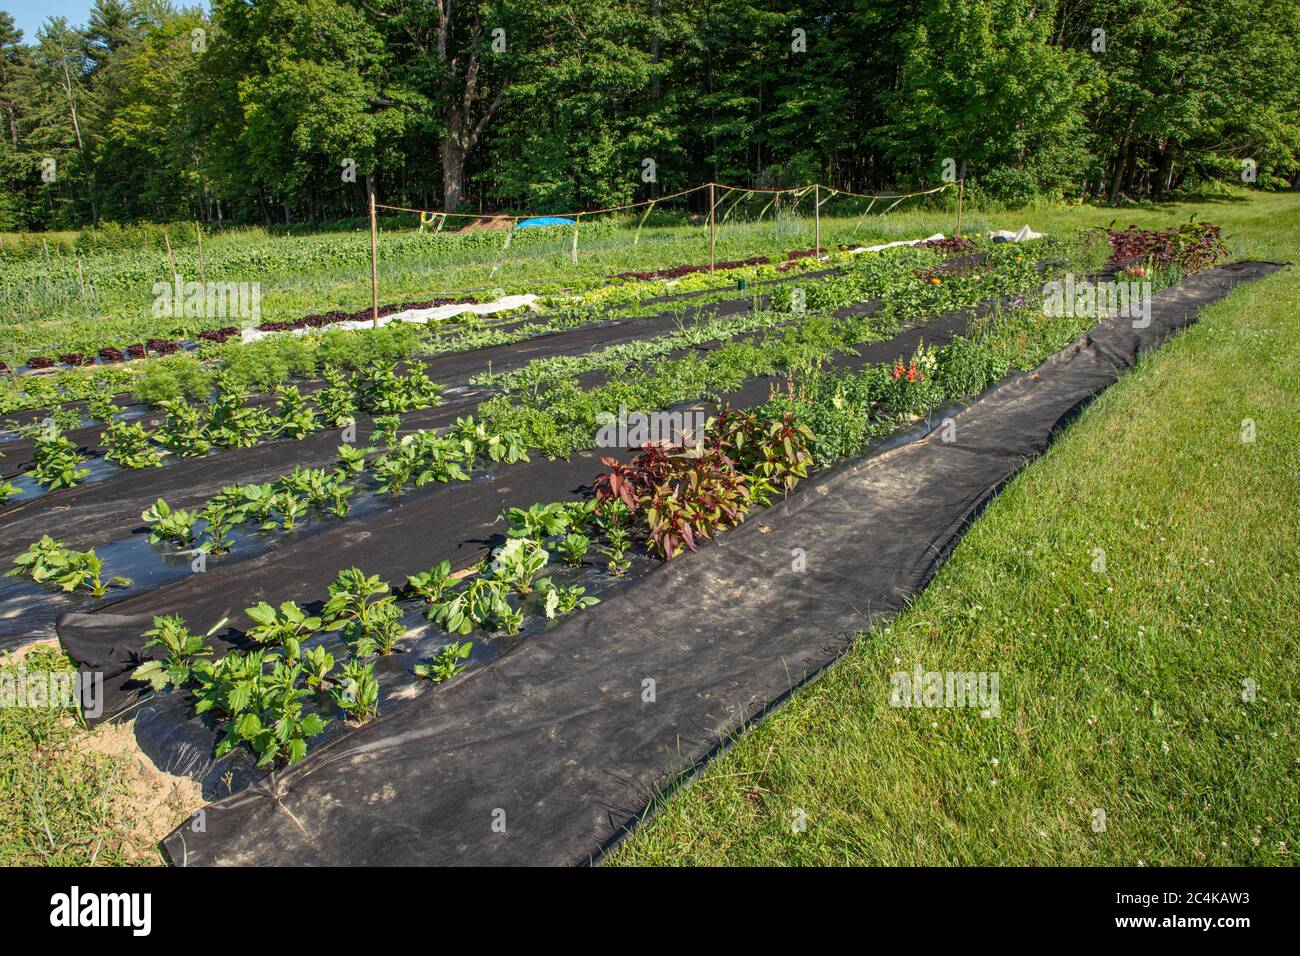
(168,525)
(517,562)
(48,562)
(130,446)
(286,627)
(182,649)
(446,664)
(356,692)
(7,491)
(573,548)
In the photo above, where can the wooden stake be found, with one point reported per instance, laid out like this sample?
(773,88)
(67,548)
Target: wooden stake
(817,218)
(81,281)
(961,192)
(374,261)
(171,259)
(711,227)
(198,231)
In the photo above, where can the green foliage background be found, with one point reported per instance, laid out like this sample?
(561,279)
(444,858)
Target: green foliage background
(511,104)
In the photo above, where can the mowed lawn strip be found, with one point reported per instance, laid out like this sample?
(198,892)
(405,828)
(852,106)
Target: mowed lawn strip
(1124,737)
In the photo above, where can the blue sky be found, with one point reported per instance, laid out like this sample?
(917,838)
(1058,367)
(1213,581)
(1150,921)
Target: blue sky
(30,14)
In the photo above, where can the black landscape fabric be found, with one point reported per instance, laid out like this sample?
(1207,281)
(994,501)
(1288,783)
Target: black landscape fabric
(547,755)
(456,522)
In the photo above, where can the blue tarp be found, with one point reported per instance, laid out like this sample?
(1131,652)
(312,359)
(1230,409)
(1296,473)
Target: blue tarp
(545,221)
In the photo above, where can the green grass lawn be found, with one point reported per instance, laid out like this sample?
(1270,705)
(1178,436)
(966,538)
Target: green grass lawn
(1121,689)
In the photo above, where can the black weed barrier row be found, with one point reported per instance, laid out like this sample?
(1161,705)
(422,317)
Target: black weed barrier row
(549,754)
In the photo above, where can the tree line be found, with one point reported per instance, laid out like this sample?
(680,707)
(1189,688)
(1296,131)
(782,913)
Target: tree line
(289,111)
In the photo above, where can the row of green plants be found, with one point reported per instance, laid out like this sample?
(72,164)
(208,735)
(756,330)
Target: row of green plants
(192,429)
(558,416)
(275,697)
(585,295)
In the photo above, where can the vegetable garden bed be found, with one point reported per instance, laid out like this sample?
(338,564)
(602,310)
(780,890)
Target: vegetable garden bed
(425,506)
(559,735)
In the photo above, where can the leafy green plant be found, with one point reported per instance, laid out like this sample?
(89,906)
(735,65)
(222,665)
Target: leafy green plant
(517,562)
(479,604)
(294,417)
(386,427)
(478,442)
(615,549)
(220,521)
(279,727)
(382,391)
(446,664)
(370,626)
(184,431)
(286,627)
(538,521)
(168,525)
(352,460)
(356,691)
(378,631)
(573,548)
(336,402)
(582,515)
(560,599)
(48,562)
(55,461)
(232,423)
(289,508)
(100,405)
(431,584)
(317,663)
(130,446)
(227,687)
(182,650)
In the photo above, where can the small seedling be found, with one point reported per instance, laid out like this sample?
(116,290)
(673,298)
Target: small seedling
(446,663)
